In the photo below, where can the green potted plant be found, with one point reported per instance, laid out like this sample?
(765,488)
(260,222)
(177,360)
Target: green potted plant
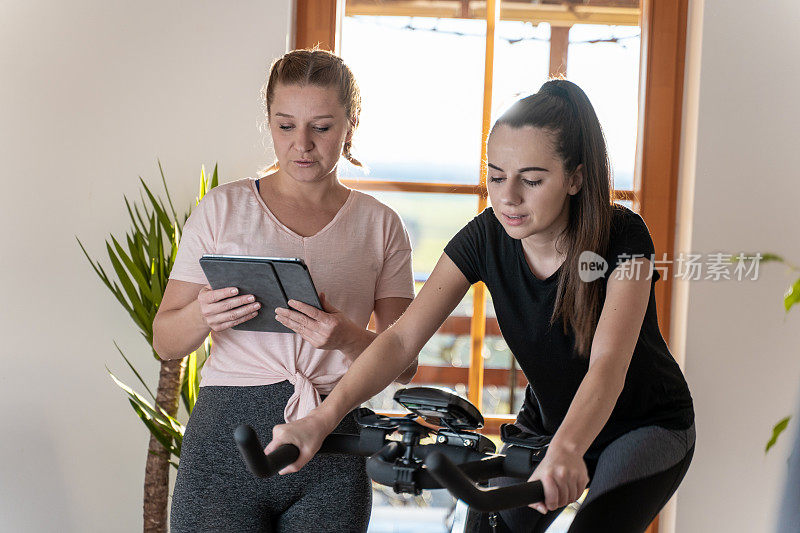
(141,270)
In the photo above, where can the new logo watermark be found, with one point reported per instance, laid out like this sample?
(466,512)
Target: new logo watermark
(591,266)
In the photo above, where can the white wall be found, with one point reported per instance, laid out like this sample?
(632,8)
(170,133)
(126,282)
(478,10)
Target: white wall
(92,92)
(740,190)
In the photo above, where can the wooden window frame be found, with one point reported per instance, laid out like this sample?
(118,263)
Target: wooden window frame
(654,194)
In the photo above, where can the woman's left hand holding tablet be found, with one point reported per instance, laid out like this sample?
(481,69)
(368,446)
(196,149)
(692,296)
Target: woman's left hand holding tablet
(327,329)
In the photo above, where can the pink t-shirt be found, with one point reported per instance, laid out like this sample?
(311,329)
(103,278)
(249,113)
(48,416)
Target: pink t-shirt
(361,256)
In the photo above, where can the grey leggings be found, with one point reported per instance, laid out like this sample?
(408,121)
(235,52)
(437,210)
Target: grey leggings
(630,482)
(214,491)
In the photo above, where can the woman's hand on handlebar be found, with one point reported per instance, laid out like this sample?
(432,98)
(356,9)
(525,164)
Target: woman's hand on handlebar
(327,329)
(564,477)
(307,434)
(222,309)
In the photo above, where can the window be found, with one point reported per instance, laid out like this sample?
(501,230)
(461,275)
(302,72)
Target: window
(442,59)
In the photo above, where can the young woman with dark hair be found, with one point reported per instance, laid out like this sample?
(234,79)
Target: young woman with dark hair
(603,386)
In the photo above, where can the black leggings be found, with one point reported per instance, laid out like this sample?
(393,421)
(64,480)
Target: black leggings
(214,491)
(630,482)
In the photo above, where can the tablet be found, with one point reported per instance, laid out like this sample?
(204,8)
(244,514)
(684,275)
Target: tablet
(272,280)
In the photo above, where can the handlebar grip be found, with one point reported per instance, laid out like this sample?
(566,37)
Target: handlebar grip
(483,470)
(259,464)
(343,443)
(453,479)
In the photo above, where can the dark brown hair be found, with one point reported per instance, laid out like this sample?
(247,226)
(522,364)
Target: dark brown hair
(323,69)
(562,109)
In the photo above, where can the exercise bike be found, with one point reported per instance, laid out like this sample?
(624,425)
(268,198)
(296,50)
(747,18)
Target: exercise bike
(458,460)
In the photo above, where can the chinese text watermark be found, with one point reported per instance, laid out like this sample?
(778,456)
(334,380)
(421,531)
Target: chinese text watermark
(685,266)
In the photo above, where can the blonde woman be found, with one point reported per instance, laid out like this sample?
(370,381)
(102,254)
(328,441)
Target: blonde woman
(359,256)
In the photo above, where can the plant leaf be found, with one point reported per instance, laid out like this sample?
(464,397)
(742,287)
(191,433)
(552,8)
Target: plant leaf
(194,383)
(214,178)
(166,190)
(141,218)
(792,296)
(190,387)
(136,227)
(139,314)
(97,268)
(767,257)
(157,258)
(153,396)
(172,426)
(203,184)
(156,430)
(776,431)
(153,243)
(138,276)
(191,377)
(135,248)
(158,209)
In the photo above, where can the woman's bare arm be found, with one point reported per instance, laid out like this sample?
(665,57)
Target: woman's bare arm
(387,312)
(189,311)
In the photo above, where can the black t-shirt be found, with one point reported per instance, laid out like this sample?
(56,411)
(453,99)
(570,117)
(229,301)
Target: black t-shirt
(655,391)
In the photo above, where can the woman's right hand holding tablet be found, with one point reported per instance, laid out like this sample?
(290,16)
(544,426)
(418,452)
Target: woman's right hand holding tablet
(222,309)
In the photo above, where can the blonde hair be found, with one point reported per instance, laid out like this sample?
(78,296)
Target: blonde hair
(323,69)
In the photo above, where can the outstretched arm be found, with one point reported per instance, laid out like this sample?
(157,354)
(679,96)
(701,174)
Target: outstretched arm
(387,357)
(387,312)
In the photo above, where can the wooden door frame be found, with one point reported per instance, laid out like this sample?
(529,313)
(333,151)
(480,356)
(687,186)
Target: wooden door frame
(317,23)
(658,142)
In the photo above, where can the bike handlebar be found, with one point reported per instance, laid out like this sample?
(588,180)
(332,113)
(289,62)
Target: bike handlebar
(259,463)
(454,480)
(267,465)
(440,471)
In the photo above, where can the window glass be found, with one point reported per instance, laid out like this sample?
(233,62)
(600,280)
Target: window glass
(421,91)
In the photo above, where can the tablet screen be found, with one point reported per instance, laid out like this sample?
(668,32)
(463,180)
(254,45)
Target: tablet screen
(272,280)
